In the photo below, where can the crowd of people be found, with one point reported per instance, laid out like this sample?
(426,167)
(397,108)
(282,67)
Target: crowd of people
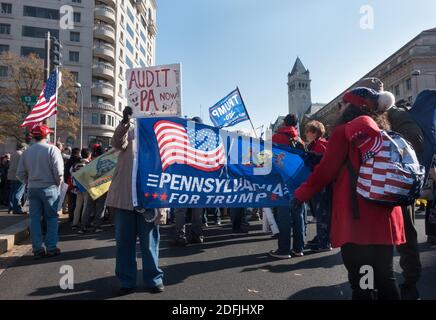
(367,239)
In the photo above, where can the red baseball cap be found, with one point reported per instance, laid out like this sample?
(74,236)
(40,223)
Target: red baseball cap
(41,131)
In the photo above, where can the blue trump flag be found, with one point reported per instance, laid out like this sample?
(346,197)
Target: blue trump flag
(182,164)
(228,111)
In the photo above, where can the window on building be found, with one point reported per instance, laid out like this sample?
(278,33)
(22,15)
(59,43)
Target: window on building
(122,19)
(397,90)
(5,28)
(130,14)
(142,50)
(35,32)
(74,56)
(143,22)
(43,13)
(129,46)
(121,71)
(6,8)
(409,84)
(143,37)
(4,48)
(3,71)
(120,89)
(143,64)
(129,62)
(103,141)
(130,31)
(77,1)
(74,36)
(120,107)
(75,75)
(40,52)
(102,119)
(77,17)
(121,53)
(94,118)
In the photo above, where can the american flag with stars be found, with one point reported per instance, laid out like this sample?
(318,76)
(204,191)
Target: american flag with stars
(46,105)
(381,178)
(199,148)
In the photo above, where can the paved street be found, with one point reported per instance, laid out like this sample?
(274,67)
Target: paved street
(225,267)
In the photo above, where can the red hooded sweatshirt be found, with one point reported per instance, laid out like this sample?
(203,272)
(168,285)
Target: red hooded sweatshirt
(284,136)
(378,224)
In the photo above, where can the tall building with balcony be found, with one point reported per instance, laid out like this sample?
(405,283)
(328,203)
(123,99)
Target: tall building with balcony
(107,38)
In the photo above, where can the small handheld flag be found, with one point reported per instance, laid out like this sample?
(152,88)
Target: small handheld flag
(229,111)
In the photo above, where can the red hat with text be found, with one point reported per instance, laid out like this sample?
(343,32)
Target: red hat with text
(41,131)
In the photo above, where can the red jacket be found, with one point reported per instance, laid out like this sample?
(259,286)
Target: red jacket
(378,224)
(284,135)
(318,146)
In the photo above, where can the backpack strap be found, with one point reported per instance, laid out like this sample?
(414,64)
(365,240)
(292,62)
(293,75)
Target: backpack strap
(353,185)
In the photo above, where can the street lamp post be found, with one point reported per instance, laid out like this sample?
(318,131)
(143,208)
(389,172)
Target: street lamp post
(79,86)
(415,74)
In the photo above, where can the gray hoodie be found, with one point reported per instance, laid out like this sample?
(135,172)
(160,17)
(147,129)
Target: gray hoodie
(41,166)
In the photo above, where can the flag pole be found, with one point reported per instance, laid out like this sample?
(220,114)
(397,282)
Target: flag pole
(242,99)
(56,114)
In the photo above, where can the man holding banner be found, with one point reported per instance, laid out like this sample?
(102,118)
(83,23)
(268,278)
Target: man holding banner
(130,224)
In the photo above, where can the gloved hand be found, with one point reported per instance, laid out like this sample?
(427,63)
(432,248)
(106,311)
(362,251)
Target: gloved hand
(127,115)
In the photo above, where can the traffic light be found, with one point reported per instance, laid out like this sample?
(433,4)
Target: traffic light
(55,53)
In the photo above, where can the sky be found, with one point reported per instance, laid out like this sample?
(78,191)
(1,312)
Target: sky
(253,44)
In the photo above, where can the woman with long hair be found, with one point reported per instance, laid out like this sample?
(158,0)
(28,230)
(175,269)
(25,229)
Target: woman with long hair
(367,242)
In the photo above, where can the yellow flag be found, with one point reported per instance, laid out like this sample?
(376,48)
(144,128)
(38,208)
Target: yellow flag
(96,177)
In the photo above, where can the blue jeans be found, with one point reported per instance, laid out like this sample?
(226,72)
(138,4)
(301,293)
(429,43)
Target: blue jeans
(128,226)
(43,203)
(16,193)
(288,219)
(322,215)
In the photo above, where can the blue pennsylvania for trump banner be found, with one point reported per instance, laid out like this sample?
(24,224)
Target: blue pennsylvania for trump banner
(228,111)
(180,163)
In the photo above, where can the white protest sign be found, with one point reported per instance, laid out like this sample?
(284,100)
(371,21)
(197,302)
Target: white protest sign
(155,91)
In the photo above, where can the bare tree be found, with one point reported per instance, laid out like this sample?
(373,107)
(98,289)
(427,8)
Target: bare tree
(25,78)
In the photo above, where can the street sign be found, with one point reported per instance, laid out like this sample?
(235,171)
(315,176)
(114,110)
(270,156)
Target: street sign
(29,101)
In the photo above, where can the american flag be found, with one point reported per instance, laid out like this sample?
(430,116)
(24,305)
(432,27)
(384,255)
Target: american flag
(45,107)
(380,178)
(199,148)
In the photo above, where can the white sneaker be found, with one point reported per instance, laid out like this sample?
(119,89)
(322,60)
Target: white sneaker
(274,254)
(297,254)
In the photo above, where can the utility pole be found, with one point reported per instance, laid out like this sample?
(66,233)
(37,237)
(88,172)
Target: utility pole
(47,63)
(55,64)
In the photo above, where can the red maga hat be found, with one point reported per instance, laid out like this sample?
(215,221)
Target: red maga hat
(41,131)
